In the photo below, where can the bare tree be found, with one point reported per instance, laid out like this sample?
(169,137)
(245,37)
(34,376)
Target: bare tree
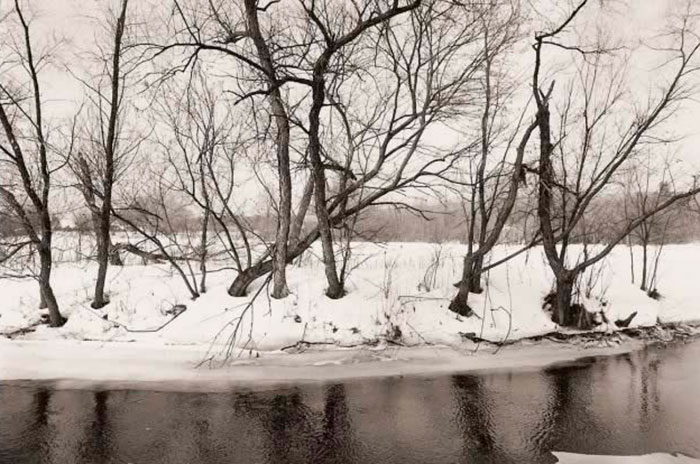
(25,185)
(279,112)
(492,190)
(376,71)
(150,215)
(325,19)
(596,136)
(203,143)
(106,152)
(645,189)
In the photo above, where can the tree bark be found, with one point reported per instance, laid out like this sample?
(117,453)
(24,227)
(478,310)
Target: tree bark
(105,216)
(335,289)
(38,193)
(279,113)
(47,296)
(477,265)
(298,223)
(204,252)
(240,284)
(645,256)
(474,260)
(103,250)
(562,313)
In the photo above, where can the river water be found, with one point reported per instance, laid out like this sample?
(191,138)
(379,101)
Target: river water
(642,402)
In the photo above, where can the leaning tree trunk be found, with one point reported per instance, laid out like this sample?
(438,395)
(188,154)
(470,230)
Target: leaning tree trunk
(460,303)
(47,296)
(240,285)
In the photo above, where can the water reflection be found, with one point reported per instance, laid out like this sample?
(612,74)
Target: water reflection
(632,404)
(473,416)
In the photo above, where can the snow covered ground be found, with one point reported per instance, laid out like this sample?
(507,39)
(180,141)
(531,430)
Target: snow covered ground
(90,364)
(389,289)
(398,293)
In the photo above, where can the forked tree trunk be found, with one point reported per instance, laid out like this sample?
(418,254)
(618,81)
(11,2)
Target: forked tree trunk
(240,285)
(279,113)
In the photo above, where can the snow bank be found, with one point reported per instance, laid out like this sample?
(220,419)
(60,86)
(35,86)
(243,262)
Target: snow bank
(398,292)
(90,364)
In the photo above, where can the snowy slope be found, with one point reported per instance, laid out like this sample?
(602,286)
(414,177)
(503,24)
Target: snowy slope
(387,299)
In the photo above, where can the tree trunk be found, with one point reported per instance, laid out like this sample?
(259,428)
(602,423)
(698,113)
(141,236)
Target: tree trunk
(335,288)
(105,215)
(279,273)
(475,278)
(279,113)
(629,247)
(240,284)
(42,300)
(298,223)
(239,287)
(47,295)
(645,255)
(103,252)
(459,303)
(562,312)
(203,252)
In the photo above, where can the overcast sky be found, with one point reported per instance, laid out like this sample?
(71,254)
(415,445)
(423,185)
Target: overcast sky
(74,21)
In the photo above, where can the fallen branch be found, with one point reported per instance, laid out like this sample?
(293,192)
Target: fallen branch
(147,255)
(178,310)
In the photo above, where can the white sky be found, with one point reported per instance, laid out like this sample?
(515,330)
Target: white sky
(73,21)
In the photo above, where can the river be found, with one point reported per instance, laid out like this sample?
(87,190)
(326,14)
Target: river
(641,402)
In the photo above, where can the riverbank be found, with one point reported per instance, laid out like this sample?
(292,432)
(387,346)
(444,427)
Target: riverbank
(122,365)
(393,321)
(397,293)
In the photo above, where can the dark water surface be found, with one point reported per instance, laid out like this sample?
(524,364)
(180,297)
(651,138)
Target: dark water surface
(648,401)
